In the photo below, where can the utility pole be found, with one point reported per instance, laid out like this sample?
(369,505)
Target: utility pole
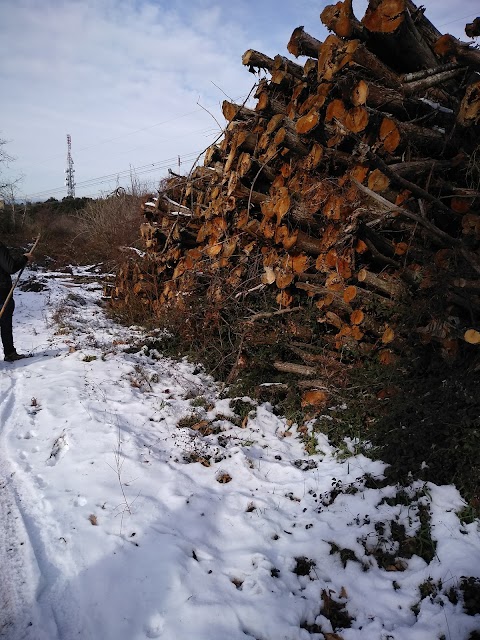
(69,171)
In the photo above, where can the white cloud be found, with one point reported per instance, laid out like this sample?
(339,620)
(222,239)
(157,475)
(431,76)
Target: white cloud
(102,71)
(106,69)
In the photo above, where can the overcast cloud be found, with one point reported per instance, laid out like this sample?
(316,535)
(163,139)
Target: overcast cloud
(137,83)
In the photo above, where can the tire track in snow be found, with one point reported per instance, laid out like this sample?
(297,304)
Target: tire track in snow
(6,401)
(36,601)
(20,575)
(20,571)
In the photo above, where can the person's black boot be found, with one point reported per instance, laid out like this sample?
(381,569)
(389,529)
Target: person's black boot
(12,357)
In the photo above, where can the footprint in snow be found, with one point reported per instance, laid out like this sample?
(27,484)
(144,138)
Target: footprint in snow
(60,446)
(41,482)
(154,628)
(27,436)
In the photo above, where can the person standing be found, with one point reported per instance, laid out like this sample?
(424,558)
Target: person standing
(9,265)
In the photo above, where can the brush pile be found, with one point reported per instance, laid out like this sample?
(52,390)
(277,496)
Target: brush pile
(338,219)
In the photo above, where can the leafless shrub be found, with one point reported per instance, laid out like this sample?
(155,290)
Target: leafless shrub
(107,225)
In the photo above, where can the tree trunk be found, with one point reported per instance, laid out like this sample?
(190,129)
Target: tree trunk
(340,19)
(394,36)
(303,44)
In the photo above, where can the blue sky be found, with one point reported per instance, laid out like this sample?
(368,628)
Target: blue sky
(137,83)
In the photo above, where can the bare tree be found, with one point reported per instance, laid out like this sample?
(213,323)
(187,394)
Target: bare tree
(4,160)
(8,186)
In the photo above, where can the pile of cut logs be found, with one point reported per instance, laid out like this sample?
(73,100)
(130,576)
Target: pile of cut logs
(340,215)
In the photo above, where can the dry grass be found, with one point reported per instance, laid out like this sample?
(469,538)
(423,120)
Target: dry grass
(109,225)
(84,232)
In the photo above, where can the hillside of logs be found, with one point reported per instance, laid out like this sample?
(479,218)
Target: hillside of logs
(338,218)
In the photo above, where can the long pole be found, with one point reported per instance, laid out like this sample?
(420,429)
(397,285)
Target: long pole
(10,294)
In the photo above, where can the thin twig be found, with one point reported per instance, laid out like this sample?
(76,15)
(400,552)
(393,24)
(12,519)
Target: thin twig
(220,89)
(256,176)
(233,371)
(210,114)
(117,453)
(245,293)
(269,314)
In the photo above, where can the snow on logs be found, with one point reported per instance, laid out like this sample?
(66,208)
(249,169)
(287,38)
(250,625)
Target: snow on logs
(348,196)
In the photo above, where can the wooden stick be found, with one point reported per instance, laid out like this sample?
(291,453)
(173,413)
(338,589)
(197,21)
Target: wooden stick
(431,80)
(259,316)
(10,294)
(389,206)
(406,184)
(425,73)
(292,367)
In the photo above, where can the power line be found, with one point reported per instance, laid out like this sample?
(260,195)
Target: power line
(123,135)
(94,182)
(149,168)
(110,177)
(130,133)
(457,20)
(163,140)
(121,173)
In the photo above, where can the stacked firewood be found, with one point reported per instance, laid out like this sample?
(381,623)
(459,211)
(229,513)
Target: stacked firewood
(339,217)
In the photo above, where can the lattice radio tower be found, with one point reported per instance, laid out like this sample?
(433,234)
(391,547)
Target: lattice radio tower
(69,171)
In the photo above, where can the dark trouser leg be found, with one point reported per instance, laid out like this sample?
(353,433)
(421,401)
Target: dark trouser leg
(6,331)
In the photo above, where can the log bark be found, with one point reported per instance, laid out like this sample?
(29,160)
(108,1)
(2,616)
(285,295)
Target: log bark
(469,112)
(425,73)
(269,104)
(463,283)
(256,60)
(417,167)
(335,54)
(448,46)
(472,29)
(291,141)
(281,63)
(394,36)
(427,30)
(393,289)
(313,384)
(233,111)
(248,165)
(422,138)
(308,244)
(406,184)
(297,369)
(374,65)
(433,80)
(303,44)
(340,19)
(236,188)
(437,233)
(271,314)
(371,93)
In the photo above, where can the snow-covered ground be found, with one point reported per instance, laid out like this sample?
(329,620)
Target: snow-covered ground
(137,502)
